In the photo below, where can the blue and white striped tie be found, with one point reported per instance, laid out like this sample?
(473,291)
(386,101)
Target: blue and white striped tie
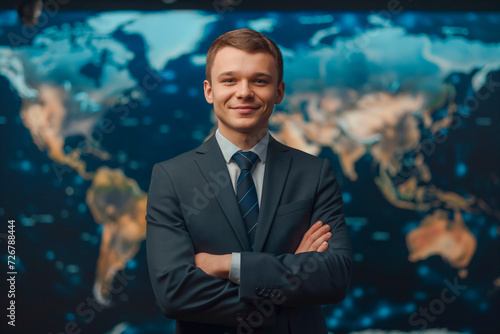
(246,193)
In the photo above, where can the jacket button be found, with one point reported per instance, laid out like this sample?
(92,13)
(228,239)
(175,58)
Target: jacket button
(265,293)
(258,291)
(273,293)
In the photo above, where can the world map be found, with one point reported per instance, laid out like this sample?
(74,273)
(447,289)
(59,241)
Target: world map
(405,107)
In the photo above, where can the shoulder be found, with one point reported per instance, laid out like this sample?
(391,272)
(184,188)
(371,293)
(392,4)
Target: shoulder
(179,160)
(185,161)
(299,155)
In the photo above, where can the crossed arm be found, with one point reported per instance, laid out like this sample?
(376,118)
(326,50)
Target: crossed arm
(315,239)
(194,287)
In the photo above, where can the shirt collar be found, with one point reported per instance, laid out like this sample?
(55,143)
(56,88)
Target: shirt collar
(229,149)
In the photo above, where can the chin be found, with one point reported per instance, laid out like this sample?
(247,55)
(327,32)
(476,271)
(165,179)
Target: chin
(245,124)
(243,129)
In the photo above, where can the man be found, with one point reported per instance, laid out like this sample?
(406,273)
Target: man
(244,234)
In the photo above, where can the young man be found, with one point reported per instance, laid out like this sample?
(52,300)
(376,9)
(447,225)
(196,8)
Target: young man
(244,234)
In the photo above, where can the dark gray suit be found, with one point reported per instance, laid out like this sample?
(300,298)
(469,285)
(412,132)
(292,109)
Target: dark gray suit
(192,208)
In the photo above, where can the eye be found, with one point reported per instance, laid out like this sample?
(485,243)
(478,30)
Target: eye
(228,80)
(260,81)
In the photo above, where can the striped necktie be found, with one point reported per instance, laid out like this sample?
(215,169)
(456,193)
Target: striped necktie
(246,193)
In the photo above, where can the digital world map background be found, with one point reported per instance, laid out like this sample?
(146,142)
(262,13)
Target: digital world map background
(405,106)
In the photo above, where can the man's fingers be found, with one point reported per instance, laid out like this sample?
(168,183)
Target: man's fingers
(312,229)
(314,237)
(306,241)
(309,242)
(319,242)
(323,247)
(320,232)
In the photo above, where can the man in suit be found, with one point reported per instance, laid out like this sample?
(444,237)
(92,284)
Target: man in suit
(244,234)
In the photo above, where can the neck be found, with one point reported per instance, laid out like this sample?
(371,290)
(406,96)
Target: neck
(244,140)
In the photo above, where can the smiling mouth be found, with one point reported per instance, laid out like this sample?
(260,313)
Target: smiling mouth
(245,109)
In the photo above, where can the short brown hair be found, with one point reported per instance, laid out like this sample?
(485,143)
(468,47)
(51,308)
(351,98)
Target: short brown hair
(247,40)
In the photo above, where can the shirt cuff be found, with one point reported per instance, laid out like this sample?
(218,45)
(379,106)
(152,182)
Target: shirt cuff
(234,272)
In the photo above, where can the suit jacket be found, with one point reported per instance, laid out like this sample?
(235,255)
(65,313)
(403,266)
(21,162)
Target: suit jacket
(192,208)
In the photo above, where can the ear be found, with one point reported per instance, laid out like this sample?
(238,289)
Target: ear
(207,88)
(280,93)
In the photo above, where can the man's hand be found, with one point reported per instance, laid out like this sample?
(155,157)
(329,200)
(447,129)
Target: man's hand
(215,265)
(315,239)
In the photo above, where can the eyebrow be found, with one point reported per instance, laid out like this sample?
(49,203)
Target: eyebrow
(232,73)
(260,74)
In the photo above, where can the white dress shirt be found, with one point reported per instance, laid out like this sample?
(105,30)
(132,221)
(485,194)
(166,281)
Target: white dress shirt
(228,150)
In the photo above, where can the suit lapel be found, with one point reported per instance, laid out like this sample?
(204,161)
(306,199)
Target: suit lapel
(211,162)
(276,172)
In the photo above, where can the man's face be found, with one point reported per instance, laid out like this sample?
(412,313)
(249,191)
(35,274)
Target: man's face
(244,90)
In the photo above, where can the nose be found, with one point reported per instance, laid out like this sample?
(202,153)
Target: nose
(244,90)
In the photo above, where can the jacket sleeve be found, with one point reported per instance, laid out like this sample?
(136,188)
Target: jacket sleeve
(184,291)
(310,278)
